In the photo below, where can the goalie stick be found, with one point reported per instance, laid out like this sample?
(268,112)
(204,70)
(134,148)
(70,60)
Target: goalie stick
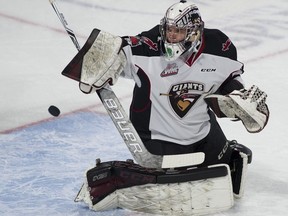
(126,128)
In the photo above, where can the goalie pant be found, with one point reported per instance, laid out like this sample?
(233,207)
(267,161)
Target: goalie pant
(168,191)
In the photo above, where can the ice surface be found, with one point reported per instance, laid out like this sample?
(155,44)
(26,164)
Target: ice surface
(43,159)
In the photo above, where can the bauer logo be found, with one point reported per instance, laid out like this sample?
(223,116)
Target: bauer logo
(122,123)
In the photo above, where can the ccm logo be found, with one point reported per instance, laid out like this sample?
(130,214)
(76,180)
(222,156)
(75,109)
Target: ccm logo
(123,125)
(208,70)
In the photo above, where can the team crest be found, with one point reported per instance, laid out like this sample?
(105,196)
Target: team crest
(183,96)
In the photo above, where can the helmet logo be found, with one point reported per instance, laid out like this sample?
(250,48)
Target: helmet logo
(190,17)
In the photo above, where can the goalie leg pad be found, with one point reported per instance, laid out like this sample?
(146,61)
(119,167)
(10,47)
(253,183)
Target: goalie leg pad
(241,157)
(179,192)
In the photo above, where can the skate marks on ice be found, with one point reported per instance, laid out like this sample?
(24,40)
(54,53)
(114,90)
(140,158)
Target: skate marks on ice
(42,167)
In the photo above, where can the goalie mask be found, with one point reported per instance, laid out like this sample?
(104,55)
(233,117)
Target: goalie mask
(181,29)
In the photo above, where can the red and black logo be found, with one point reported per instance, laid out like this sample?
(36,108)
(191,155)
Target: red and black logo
(150,43)
(226,45)
(183,96)
(134,41)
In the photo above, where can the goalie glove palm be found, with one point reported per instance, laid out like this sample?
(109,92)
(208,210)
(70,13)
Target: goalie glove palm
(104,61)
(247,105)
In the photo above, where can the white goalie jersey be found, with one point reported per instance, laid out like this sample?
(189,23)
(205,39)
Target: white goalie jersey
(170,101)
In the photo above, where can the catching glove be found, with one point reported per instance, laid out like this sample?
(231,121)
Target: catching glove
(247,105)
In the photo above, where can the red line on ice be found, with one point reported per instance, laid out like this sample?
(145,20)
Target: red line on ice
(85,109)
(31,23)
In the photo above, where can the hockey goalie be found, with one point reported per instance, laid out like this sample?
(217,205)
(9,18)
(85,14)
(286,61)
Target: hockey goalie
(185,76)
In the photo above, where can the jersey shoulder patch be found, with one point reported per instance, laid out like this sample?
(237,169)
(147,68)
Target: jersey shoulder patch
(217,43)
(145,43)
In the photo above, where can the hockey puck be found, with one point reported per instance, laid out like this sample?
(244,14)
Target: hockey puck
(54,111)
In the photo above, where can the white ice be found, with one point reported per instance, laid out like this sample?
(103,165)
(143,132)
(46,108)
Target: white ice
(43,159)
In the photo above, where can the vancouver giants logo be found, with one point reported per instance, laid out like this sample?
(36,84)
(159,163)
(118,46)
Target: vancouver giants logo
(183,96)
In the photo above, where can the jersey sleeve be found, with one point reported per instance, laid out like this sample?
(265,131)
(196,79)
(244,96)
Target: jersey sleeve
(144,44)
(233,84)
(218,43)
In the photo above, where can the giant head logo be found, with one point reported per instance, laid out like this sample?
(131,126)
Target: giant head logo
(183,96)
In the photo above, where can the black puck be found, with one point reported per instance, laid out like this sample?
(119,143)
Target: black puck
(54,111)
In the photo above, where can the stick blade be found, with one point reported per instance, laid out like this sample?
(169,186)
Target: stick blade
(182,160)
